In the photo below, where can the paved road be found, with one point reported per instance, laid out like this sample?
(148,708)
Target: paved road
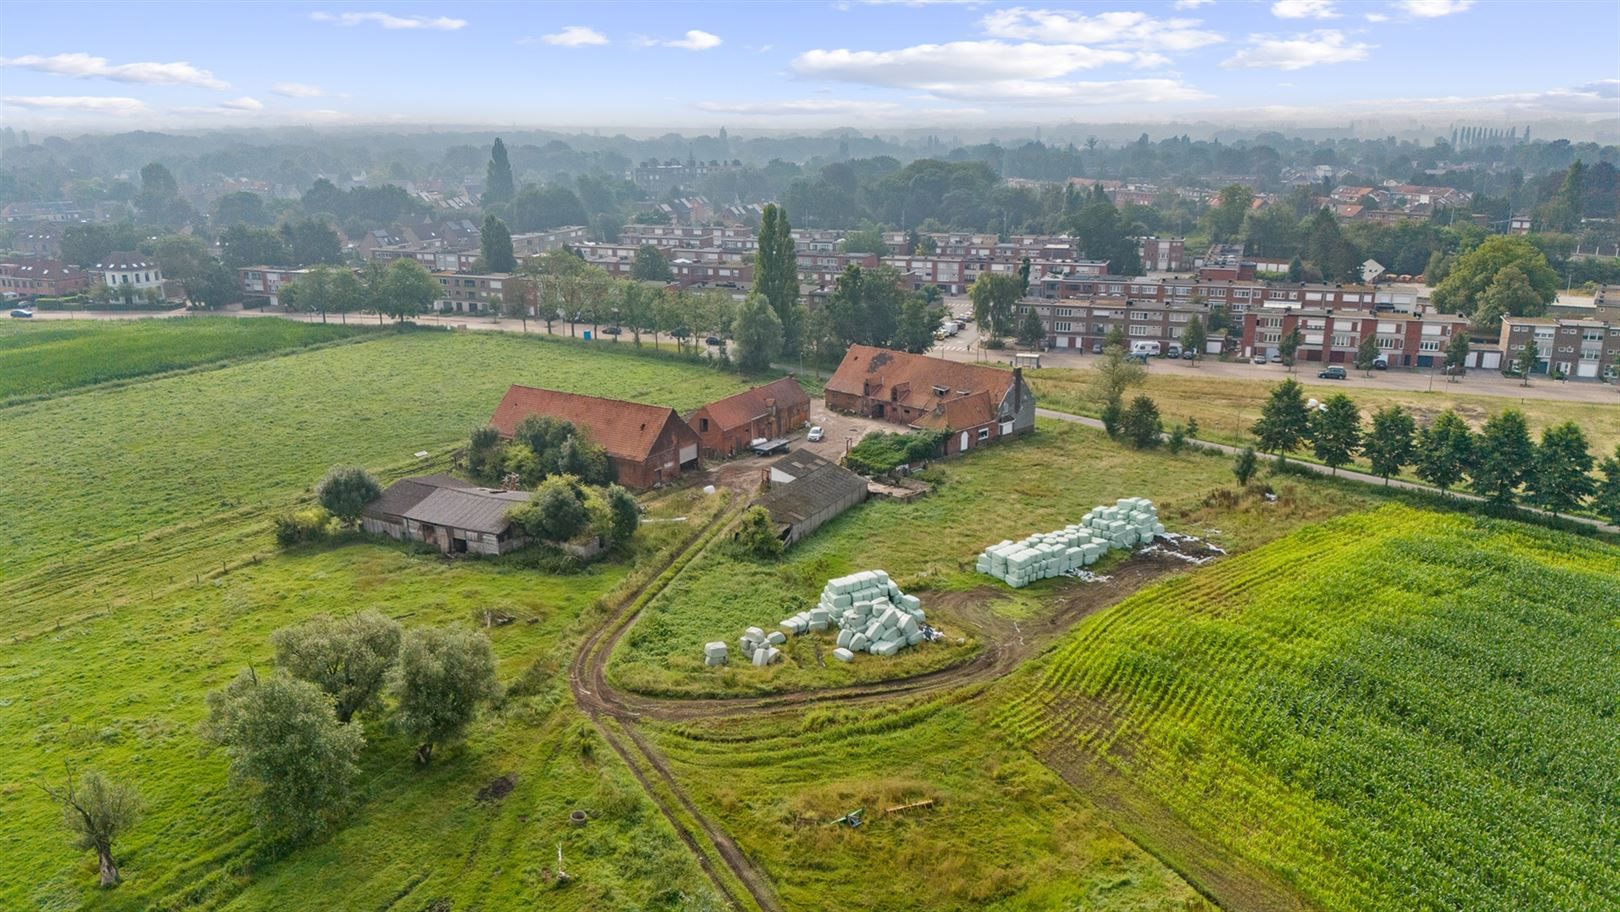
(965,347)
(1342,473)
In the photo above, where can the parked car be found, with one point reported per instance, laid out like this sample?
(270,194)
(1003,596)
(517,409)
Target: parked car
(22,313)
(714,340)
(610,331)
(1188,355)
(1331,373)
(1381,363)
(1276,359)
(1138,357)
(815,434)
(1258,359)
(1097,348)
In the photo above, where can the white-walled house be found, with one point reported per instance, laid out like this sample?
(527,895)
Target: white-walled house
(131,269)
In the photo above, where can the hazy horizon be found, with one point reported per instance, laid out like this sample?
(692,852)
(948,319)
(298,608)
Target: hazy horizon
(890,67)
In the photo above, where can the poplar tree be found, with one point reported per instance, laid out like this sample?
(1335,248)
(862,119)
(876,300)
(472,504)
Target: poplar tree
(498,186)
(776,275)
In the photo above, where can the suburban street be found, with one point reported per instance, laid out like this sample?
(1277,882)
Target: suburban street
(965,347)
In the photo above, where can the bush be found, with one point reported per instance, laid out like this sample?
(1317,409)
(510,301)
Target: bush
(346,490)
(1244,467)
(884,452)
(311,524)
(1177,440)
(756,535)
(1111,416)
(1140,425)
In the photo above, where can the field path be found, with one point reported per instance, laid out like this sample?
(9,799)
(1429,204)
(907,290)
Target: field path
(1134,813)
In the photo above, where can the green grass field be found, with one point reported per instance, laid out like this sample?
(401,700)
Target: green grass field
(113,464)
(1004,833)
(118,614)
(1392,710)
(1226,407)
(1034,484)
(56,356)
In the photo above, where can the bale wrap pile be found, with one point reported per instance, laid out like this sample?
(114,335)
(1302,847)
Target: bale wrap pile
(1067,550)
(870,613)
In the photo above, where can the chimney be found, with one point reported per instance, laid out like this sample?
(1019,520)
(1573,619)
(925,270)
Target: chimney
(1018,390)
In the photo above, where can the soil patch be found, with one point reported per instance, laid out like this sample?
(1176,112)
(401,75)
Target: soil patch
(498,788)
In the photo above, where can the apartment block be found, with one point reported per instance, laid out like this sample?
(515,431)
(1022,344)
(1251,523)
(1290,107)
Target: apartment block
(1580,349)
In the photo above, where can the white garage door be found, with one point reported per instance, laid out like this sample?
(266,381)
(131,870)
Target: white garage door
(688,453)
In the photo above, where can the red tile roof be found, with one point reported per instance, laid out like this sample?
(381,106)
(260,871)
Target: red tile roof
(959,414)
(627,430)
(872,372)
(741,409)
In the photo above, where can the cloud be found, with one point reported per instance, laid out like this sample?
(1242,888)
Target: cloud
(1297,52)
(1191,4)
(243,104)
(1133,30)
(84,66)
(1377,17)
(1304,9)
(923,65)
(1038,92)
(300,90)
(695,40)
(1432,9)
(91,104)
(390,21)
(802,106)
(570,36)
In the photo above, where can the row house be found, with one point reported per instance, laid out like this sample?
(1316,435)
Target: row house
(1580,349)
(40,278)
(1236,296)
(692,236)
(947,273)
(1162,254)
(821,270)
(46,244)
(1333,337)
(431,255)
(534,243)
(266,282)
(471,294)
(1084,325)
(712,274)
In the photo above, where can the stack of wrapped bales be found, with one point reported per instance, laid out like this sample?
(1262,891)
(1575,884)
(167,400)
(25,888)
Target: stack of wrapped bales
(1072,547)
(871,613)
(714,653)
(760,646)
(1128,521)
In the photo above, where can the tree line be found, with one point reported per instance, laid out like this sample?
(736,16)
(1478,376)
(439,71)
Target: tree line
(1501,462)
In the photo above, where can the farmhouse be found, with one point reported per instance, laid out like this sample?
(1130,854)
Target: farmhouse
(648,445)
(973,404)
(774,410)
(455,516)
(805,491)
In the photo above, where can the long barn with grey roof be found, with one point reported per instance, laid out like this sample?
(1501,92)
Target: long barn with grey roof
(454,516)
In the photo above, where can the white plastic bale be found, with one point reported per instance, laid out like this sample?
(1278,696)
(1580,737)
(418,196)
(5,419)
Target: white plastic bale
(843,655)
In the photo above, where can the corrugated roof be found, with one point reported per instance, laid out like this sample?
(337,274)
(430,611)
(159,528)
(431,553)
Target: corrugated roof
(817,483)
(477,510)
(627,430)
(741,409)
(408,494)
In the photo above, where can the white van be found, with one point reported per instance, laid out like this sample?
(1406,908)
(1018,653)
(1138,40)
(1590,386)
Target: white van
(1149,348)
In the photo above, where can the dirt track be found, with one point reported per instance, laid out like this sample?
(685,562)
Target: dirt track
(1010,642)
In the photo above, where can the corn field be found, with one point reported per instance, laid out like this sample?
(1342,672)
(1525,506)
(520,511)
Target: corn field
(1396,710)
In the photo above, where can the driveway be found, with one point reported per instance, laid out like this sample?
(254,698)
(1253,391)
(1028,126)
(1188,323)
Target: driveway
(841,431)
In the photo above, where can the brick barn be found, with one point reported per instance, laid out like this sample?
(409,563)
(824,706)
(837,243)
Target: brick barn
(973,404)
(648,445)
(774,410)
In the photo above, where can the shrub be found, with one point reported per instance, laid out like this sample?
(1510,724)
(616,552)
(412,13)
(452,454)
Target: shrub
(1140,424)
(756,535)
(311,524)
(346,490)
(884,452)
(1244,467)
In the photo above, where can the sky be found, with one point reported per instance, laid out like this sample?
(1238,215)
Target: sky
(781,65)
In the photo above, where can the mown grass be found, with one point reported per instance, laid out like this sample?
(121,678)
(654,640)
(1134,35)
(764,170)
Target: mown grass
(1004,832)
(56,356)
(139,574)
(1034,484)
(1394,710)
(1226,407)
(113,464)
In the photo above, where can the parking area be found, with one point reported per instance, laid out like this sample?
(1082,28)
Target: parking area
(840,432)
